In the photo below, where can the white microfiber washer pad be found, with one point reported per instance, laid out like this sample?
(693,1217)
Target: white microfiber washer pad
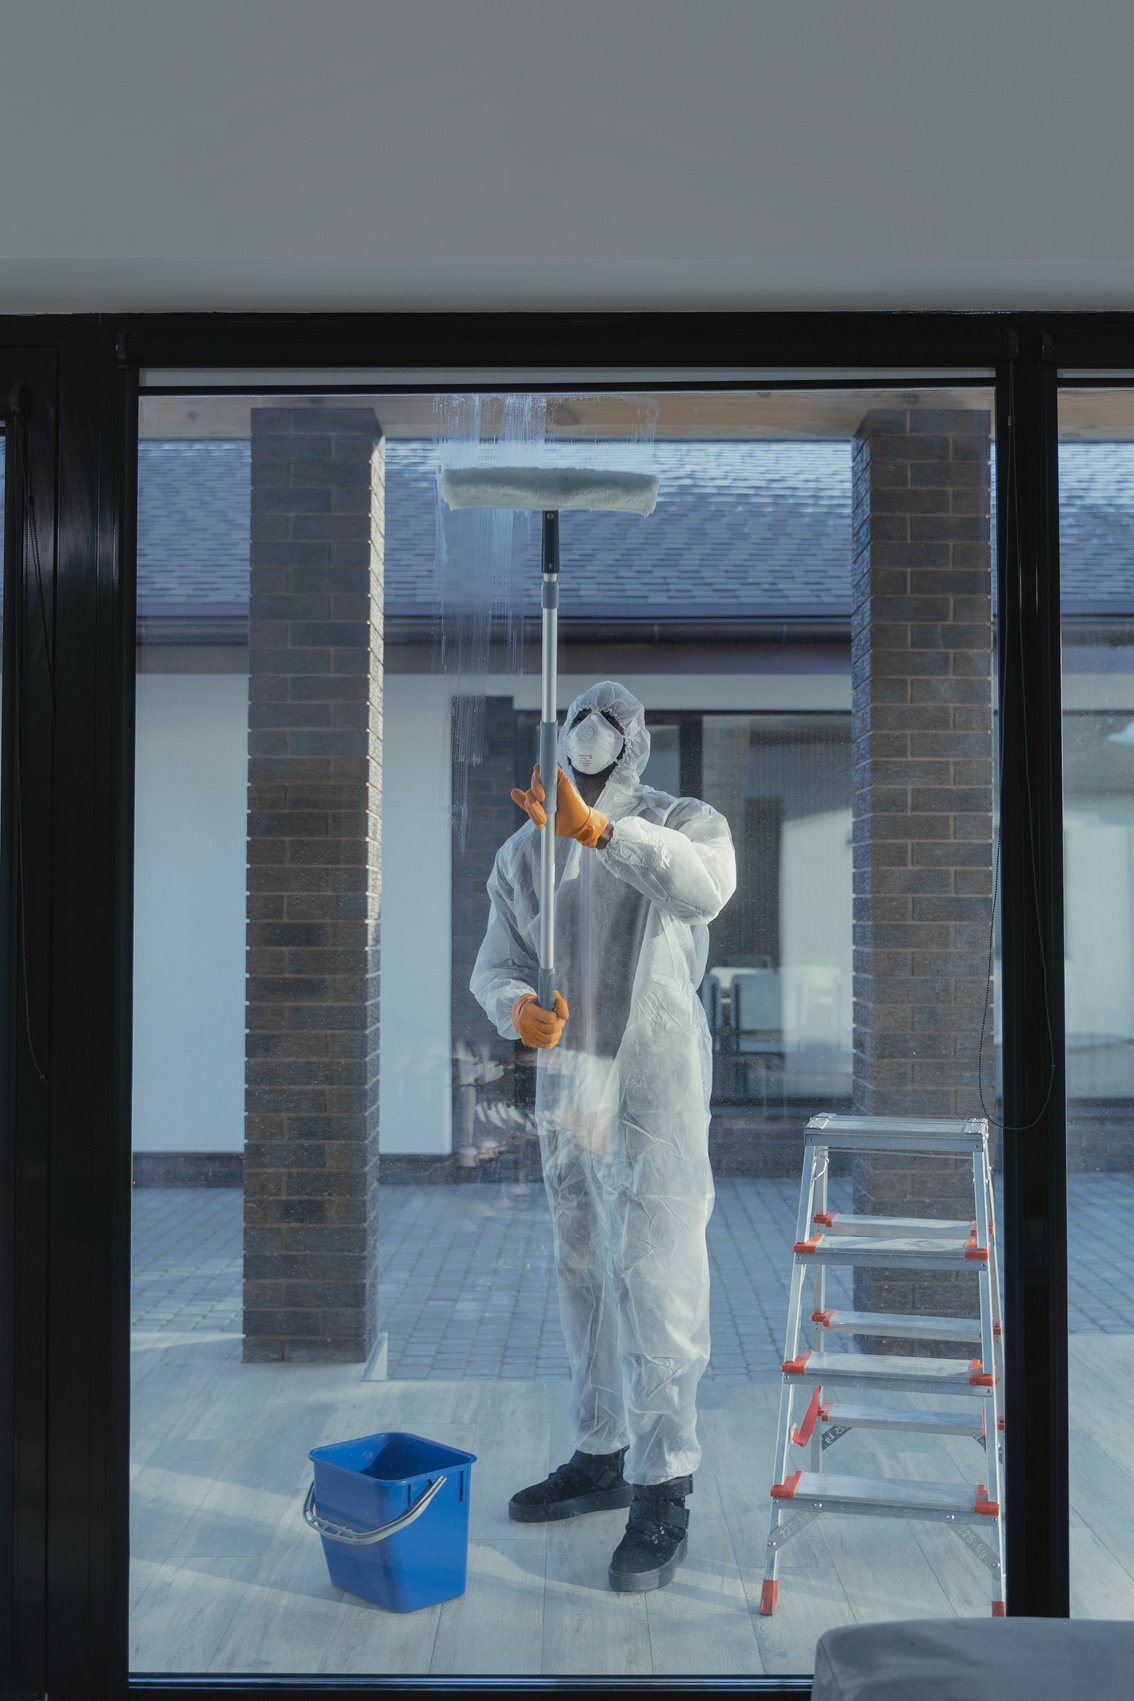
(549,488)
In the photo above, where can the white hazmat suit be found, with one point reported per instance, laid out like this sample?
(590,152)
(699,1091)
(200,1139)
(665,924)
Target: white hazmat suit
(622,1102)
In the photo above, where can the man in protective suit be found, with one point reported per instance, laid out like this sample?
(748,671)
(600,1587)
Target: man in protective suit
(622,1108)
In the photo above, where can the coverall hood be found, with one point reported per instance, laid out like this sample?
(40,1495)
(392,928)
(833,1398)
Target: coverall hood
(613,699)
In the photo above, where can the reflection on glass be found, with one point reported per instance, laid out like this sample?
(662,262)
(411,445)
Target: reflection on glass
(6,1388)
(363,1207)
(1096,547)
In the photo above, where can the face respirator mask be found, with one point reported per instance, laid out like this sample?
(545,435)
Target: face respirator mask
(592,745)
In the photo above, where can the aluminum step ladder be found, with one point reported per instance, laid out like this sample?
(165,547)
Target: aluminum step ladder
(829,1389)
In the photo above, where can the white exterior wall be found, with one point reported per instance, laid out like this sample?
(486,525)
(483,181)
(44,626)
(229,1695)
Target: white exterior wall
(415,1092)
(1098,884)
(189,893)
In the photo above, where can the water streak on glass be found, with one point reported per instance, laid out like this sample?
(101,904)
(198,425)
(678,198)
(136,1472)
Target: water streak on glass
(486,582)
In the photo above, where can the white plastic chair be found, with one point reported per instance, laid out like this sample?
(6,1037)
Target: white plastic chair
(756,1004)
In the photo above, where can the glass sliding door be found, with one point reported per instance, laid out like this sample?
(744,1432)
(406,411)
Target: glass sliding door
(1096,546)
(368,1204)
(7,1433)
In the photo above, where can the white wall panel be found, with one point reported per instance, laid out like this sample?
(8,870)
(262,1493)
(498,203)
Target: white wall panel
(566,153)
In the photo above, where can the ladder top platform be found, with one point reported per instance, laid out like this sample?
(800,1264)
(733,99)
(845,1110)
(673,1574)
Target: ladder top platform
(904,1133)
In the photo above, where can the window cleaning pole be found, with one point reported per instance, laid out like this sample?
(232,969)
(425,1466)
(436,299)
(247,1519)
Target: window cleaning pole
(529,487)
(548,756)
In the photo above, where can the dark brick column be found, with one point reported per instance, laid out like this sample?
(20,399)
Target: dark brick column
(921,663)
(314,765)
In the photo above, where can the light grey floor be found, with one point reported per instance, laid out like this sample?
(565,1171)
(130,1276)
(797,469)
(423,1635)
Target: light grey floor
(227,1578)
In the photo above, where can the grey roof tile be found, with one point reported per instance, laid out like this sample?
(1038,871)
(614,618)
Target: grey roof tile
(758,525)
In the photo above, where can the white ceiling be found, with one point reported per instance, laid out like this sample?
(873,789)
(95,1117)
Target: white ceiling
(621,154)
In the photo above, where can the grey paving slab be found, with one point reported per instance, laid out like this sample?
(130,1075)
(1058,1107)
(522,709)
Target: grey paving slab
(467,1285)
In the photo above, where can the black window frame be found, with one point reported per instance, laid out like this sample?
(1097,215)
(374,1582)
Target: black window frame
(66,1147)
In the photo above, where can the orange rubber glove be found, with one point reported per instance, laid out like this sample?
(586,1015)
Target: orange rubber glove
(536,1026)
(574,819)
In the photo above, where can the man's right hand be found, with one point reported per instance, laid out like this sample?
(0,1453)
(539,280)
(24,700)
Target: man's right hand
(574,819)
(536,1026)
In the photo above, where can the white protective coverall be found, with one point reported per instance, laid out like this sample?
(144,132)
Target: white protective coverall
(622,1103)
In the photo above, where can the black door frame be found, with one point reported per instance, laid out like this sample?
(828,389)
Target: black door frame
(77,812)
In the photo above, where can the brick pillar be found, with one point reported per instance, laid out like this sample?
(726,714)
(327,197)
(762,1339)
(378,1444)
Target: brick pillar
(314,765)
(921,664)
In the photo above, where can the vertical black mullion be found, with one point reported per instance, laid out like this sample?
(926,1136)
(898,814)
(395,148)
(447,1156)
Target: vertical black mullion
(29,616)
(1031,883)
(9,996)
(87,1505)
(8,1560)
(119,602)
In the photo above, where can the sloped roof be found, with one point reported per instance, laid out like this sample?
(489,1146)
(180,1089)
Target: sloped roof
(737,526)
(753,523)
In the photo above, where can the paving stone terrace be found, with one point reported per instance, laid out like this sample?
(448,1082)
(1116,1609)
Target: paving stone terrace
(466,1281)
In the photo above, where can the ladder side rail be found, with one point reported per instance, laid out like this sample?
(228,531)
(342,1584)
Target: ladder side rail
(818,1289)
(819,1273)
(786,1421)
(980,1198)
(794,1329)
(816,1444)
(815,1158)
(989,1294)
(780,1509)
(995,1304)
(996,1393)
(992,1348)
(987,1335)
(997,1322)
(994,1277)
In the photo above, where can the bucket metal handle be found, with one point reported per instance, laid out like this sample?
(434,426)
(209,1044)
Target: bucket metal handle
(364,1538)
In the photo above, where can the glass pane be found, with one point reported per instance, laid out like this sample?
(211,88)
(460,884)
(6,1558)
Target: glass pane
(7,1392)
(369,1202)
(1096,547)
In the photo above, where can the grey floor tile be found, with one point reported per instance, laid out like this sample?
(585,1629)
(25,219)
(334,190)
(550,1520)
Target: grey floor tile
(468,1287)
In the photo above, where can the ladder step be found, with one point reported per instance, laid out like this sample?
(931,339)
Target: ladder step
(899,1325)
(928,1253)
(835,1413)
(885,1370)
(846,1222)
(834,1492)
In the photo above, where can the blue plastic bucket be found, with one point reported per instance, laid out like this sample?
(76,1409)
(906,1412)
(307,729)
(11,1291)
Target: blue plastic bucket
(393,1513)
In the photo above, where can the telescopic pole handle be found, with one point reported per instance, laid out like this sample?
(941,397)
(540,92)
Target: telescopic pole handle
(548,758)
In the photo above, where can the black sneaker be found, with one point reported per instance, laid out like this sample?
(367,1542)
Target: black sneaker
(588,1482)
(655,1542)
